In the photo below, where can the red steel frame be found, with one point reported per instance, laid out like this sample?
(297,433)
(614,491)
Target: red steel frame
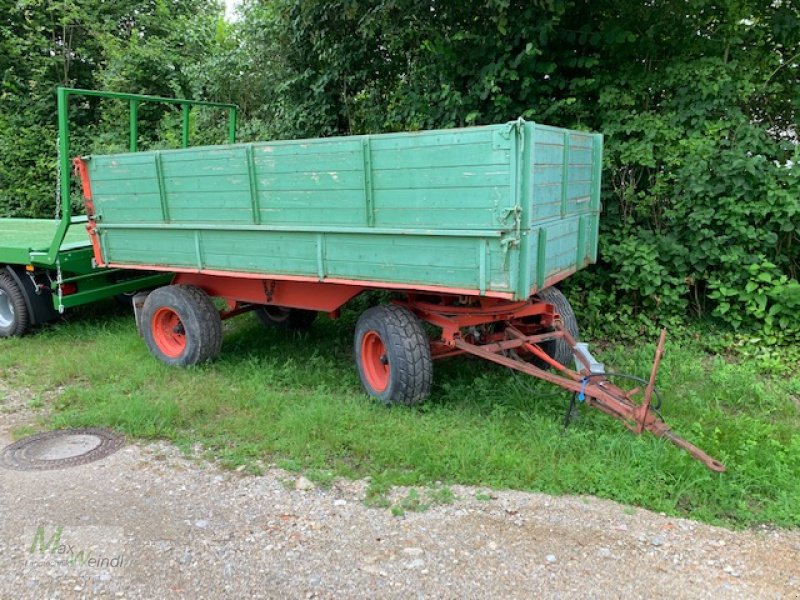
(504,348)
(501,331)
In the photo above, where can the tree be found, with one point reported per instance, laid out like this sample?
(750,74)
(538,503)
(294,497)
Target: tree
(697,100)
(142,46)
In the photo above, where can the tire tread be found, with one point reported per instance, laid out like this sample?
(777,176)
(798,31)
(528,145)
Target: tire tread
(560,350)
(411,351)
(207,334)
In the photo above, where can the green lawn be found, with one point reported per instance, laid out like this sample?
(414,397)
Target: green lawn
(296,400)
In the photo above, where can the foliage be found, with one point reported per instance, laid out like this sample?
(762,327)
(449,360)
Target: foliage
(698,102)
(141,46)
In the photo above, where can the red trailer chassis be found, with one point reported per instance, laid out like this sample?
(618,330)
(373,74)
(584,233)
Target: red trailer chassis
(510,345)
(511,334)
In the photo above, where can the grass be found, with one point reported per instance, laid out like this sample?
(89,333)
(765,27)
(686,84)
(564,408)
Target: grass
(295,400)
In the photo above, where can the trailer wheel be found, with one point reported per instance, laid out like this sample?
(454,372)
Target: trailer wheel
(14,317)
(292,319)
(558,349)
(393,355)
(181,325)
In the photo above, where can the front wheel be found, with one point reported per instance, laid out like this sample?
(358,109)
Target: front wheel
(393,355)
(14,317)
(181,325)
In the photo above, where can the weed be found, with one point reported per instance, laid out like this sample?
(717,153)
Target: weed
(410,502)
(288,464)
(322,477)
(23,431)
(376,496)
(441,495)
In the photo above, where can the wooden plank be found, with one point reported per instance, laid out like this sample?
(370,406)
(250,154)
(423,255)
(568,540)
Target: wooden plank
(162,193)
(369,200)
(311,180)
(307,161)
(487,176)
(252,180)
(482,198)
(215,184)
(480,154)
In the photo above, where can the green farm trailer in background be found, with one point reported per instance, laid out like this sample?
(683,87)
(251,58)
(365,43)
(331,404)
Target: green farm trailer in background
(470,228)
(47,265)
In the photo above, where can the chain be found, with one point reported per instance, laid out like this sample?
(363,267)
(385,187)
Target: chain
(59,279)
(58,179)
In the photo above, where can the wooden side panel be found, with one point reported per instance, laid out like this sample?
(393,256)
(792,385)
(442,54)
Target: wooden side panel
(434,208)
(454,262)
(564,197)
(125,188)
(457,179)
(211,185)
(310,182)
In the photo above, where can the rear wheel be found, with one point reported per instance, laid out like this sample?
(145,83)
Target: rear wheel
(14,317)
(558,349)
(293,319)
(181,325)
(393,355)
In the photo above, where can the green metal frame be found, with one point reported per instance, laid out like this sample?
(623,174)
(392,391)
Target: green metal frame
(134,100)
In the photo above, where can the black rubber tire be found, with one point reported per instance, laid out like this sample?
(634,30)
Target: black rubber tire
(19,319)
(124,300)
(199,317)
(407,351)
(559,349)
(290,319)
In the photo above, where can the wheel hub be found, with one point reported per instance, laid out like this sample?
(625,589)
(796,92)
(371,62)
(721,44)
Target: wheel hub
(168,332)
(6,310)
(375,361)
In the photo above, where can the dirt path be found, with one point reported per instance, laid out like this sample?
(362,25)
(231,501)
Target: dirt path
(183,529)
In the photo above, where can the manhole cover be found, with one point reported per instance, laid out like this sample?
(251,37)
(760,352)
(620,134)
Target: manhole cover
(60,449)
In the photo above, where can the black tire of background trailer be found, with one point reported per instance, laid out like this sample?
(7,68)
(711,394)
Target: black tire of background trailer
(39,307)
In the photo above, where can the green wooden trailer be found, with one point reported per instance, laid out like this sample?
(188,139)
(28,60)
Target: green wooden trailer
(471,228)
(499,211)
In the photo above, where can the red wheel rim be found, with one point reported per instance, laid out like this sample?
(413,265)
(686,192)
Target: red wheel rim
(168,333)
(374,361)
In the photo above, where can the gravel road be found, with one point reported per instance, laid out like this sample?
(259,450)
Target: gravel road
(163,526)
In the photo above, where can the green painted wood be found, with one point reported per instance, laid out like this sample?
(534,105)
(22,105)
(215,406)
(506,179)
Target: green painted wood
(500,208)
(253,186)
(369,186)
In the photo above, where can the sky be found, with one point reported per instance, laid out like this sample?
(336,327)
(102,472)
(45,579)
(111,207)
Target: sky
(230,9)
